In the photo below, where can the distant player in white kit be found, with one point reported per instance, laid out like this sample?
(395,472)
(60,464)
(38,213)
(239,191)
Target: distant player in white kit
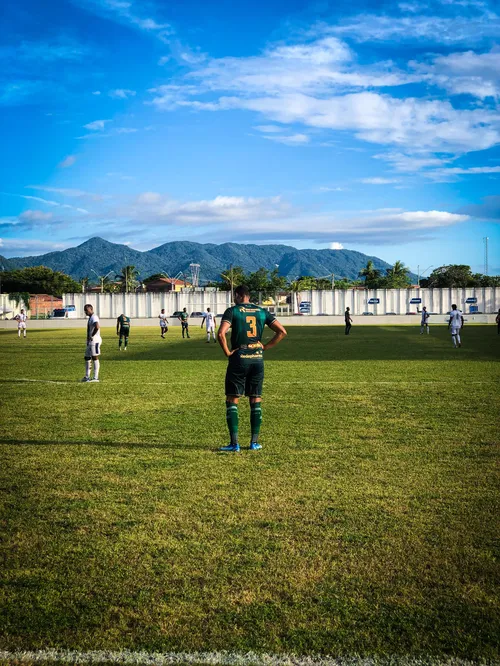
(209,318)
(424,324)
(94,342)
(21,323)
(455,324)
(163,323)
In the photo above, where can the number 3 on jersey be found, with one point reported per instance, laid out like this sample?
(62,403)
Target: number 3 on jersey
(252,323)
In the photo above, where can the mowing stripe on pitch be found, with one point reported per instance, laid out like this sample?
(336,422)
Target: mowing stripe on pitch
(221,659)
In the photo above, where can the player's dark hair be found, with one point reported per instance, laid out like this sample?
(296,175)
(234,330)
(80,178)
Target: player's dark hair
(454,306)
(243,291)
(88,305)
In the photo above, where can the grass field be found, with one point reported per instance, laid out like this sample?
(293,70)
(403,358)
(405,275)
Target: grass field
(367,525)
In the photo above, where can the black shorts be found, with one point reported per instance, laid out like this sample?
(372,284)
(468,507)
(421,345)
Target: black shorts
(244,377)
(124,332)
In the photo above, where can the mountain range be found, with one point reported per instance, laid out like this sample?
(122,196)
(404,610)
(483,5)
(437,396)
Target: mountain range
(98,256)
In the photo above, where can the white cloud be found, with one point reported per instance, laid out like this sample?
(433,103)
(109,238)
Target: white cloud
(378,181)
(289,140)
(96,92)
(126,130)
(153,208)
(467,72)
(450,174)
(336,246)
(412,7)
(320,84)
(412,163)
(35,216)
(23,247)
(326,188)
(431,218)
(96,125)
(122,93)
(69,192)
(151,24)
(376,118)
(128,13)
(67,162)
(425,28)
(149,198)
(269,129)
(327,64)
(473,170)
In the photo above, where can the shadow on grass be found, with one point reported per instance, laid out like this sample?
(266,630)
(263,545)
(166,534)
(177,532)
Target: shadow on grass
(329,343)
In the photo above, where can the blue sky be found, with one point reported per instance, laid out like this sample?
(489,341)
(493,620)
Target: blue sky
(373,126)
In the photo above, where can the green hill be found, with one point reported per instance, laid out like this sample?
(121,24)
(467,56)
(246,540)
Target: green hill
(100,256)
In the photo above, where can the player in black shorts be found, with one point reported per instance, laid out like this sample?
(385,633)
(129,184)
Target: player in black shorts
(245,370)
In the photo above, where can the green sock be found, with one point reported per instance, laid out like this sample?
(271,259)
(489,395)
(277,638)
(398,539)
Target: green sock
(232,421)
(126,341)
(255,419)
(119,343)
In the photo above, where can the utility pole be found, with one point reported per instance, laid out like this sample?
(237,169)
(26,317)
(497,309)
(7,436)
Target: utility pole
(333,281)
(485,240)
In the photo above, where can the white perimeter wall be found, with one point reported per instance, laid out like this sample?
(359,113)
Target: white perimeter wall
(398,300)
(110,306)
(322,302)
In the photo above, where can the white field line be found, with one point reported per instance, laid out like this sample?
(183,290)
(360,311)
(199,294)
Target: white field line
(220,659)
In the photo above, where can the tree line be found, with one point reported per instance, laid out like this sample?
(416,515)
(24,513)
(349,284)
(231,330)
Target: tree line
(19,283)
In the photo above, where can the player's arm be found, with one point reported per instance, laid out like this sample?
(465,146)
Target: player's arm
(95,329)
(118,326)
(221,337)
(202,322)
(463,321)
(279,334)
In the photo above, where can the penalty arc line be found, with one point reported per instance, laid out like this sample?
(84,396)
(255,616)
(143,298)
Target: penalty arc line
(220,659)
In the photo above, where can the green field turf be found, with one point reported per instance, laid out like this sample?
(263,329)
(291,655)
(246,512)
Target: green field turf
(367,525)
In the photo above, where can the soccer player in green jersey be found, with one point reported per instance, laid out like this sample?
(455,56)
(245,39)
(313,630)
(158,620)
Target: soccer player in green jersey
(123,330)
(245,370)
(183,318)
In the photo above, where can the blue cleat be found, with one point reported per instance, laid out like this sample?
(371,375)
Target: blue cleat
(231,448)
(254,446)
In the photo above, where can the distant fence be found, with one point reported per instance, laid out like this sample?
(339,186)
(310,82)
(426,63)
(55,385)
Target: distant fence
(376,301)
(401,301)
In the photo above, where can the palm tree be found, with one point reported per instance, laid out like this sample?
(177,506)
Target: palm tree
(370,273)
(128,278)
(398,276)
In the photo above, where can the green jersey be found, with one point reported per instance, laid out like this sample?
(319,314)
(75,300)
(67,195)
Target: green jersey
(247,326)
(124,321)
(183,317)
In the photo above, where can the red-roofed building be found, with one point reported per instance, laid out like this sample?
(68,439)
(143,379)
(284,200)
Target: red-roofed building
(166,284)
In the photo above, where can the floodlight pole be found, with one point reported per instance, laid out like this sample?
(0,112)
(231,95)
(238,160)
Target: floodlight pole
(101,278)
